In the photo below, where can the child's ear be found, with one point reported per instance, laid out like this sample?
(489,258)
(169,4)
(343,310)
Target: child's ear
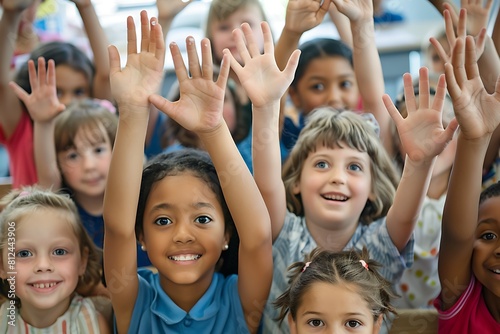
(291,324)
(227,237)
(83,261)
(378,324)
(296,188)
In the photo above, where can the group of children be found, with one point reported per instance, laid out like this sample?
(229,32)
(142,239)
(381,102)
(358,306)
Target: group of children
(378,205)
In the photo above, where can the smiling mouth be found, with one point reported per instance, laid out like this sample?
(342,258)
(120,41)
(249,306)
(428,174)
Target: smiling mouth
(338,198)
(188,257)
(44,285)
(496,271)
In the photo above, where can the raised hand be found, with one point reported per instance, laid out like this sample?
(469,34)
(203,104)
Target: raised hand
(169,9)
(259,75)
(478,14)
(143,73)
(355,10)
(82,3)
(199,108)
(461,23)
(42,104)
(303,15)
(421,132)
(476,111)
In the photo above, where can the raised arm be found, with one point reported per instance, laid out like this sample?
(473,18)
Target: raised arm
(265,83)
(250,216)
(10,106)
(131,89)
(366,62)
(99,44)
(423,138)
(301,16)
(478,116)
(43,107)
(167,10)
(342,24)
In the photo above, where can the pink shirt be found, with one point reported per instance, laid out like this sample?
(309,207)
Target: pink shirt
(21,156)
(468,315)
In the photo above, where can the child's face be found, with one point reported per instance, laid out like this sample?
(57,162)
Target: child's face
(348,314)
(85,167)
(436,65)
(327,81)
(221,31)
(486,253)
(47,261)
(71,84)
(183,232)
(334,186)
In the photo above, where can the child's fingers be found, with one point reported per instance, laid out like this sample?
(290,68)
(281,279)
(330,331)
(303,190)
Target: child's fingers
(131,36)
(462,23)
(451,82)
(488,5)
(252,46)
(144,31)
(232,62)
(32,75)
(325,5)
(481,39)
(391,108)
(224,71)
(449,28)
(206,60)
(193,61)
(160,43)
(161,103)
(152,36)
(423,88)
(452,12)
(457,60)
(51,73)
(20,93)
(268,38)
(114,60)
(439,49)
(411,104)
(42,72)
(180,68)
(471,68)
(439,97)
(291,65)
(241,45)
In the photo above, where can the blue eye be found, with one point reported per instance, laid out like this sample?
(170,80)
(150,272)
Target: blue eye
(321,164)
(315,323)
(203,220)
(355,167)
(163,221)
(24,253)
(60,252)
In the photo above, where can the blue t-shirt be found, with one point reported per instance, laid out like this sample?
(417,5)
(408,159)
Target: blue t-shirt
(218,310)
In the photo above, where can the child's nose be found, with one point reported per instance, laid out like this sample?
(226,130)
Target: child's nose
(89,161)
(334,99)
(183,233)
(337,175)
(43,264)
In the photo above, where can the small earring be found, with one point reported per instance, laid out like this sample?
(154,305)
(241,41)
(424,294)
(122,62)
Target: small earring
(225,247)
(143,248)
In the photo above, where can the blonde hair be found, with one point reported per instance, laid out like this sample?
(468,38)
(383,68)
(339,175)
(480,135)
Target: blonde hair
(87,114)
(20,202)
(332,129)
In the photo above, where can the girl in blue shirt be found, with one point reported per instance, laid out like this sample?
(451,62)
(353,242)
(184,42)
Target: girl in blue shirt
(181,206)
